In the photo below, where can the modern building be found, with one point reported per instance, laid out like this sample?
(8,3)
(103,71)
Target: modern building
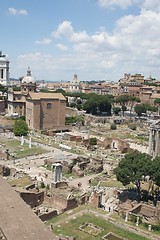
(4,70)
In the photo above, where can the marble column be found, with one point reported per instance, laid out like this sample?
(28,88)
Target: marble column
(57,172)
(150,141)
(157,143)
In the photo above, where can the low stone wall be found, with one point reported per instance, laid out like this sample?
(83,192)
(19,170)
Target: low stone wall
(47,216)
(61,202)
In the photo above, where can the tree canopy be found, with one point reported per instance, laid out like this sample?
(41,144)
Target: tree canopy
(20,128)
(98,104)
(143,108)
(133,167)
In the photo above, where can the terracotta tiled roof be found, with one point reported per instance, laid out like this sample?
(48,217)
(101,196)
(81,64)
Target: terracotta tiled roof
(41,95)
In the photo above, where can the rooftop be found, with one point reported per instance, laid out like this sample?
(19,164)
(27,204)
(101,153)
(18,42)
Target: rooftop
(41,95)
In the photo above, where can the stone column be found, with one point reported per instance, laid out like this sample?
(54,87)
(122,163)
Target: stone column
(150,141)
(157,143)
(126,218)
(149,227)
(57,172)
(137,222)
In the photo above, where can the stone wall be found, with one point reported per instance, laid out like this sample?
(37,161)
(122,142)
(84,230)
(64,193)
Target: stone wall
(4,155)
(32,198)
(48,215)
(4,171)
(61,202)
(116,143)
(2,106)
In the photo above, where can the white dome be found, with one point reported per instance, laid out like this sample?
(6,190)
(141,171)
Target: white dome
(28,79)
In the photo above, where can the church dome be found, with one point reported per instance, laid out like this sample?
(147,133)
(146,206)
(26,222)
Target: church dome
(28,78)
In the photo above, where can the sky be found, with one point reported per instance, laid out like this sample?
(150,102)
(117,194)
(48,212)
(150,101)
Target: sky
(95,39)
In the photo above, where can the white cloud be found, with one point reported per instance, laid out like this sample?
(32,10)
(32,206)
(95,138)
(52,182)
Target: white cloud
(65,29)
(45,41)
(133,46)
(151,5)
(14,11)
(62,47)
(116,3)
(124,4)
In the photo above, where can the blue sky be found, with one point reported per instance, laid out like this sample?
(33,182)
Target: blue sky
(96,39)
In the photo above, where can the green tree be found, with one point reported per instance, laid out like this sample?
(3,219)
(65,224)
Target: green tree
(157,104)
(157,101)
(156,171)
(133,168)
(97,104)
(73,105)
(151,109)
(44,90)
(133,100)
(113,126)
(116,110)
(74,120)
(3,89)
(17,88)
(144,107)
(93,141)
(20,128)
(140,108)
(60,90)
(123,100)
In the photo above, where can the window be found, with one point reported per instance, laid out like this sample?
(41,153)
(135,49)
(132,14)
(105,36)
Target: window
(49,105)
(2,73)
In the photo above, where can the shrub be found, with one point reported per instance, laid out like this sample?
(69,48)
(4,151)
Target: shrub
(113,126)
(93,141)
(133,127)
(42,185)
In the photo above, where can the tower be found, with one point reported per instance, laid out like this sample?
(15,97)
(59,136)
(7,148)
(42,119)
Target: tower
(75,85)
(4,70)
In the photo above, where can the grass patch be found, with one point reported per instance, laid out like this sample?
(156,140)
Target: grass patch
(24,152)
(70,228)
(20,182)
(19,151)
(111,183)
